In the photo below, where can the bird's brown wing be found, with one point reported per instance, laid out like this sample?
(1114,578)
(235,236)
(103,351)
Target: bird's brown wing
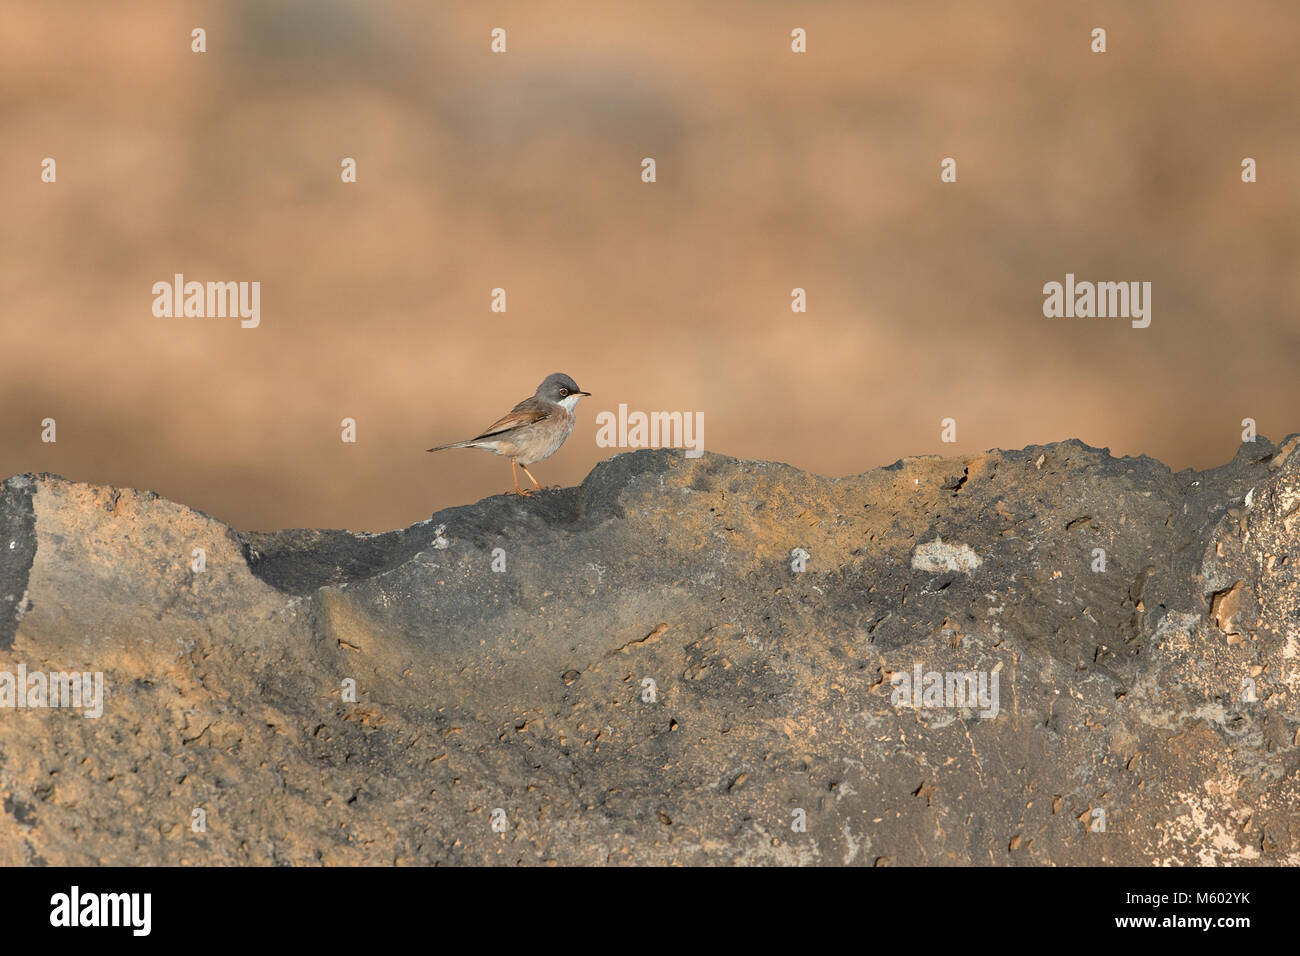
(526,412)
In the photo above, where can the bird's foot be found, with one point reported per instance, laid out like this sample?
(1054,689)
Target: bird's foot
(522,493)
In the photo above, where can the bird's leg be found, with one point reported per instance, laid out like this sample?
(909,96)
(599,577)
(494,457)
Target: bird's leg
(530,476)
(522,492)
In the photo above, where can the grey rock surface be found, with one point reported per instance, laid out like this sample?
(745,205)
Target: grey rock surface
(634,670)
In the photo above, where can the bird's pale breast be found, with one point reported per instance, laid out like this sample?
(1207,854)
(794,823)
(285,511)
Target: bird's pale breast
(540,441)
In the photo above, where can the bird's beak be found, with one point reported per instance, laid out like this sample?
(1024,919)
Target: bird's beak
(588,394)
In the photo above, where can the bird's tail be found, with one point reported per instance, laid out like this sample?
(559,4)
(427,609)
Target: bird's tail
(455,444)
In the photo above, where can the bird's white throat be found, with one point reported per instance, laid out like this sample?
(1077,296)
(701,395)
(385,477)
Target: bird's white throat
(568,402)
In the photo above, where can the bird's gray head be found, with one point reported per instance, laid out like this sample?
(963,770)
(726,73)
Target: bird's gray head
(559,389)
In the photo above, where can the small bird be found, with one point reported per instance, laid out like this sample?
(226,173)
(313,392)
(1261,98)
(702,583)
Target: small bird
(535,428)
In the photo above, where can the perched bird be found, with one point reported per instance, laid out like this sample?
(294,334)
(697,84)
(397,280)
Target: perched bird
(535,428)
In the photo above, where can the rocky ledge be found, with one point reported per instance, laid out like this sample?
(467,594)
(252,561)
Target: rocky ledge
(1046,656)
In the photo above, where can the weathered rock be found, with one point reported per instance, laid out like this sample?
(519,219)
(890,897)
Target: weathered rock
(649,680)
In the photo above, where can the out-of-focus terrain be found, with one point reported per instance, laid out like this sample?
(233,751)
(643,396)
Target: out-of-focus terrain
(521,171)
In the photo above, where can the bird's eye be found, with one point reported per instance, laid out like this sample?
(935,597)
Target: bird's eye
(564,391)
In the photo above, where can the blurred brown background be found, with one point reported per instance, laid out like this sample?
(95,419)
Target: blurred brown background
(522,170)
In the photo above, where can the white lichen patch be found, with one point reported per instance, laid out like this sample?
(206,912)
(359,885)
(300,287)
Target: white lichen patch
(1214,828)
(938,556)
